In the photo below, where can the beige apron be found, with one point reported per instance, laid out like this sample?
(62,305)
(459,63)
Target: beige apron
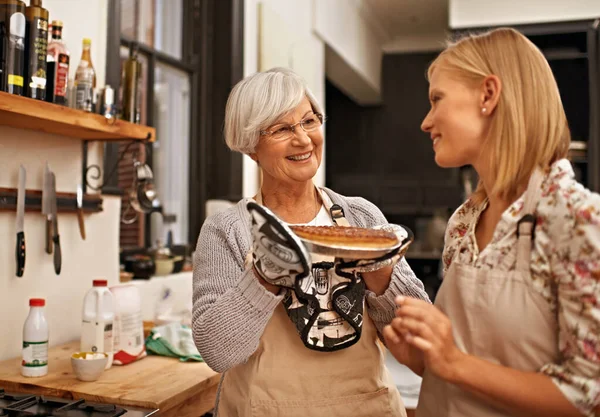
(285,378)
(496,315)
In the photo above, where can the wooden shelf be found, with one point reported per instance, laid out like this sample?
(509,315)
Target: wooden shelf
(30,114)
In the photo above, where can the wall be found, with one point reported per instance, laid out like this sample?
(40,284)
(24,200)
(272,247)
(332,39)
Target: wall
(474,13)
(83,19)
(314,39)
(82,260)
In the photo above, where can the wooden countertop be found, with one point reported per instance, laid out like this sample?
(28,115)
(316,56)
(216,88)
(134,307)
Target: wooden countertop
(176,388)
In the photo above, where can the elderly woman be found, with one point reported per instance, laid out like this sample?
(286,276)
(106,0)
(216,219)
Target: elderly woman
(515,329)
(279,354)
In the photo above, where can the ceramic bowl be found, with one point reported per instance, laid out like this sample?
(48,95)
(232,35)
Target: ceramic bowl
(88,369)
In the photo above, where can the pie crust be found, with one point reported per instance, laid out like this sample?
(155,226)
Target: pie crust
(355,237)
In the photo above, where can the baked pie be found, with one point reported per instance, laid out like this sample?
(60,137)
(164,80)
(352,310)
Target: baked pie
(355,237)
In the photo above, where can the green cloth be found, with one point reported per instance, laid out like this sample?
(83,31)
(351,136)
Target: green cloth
(174,340)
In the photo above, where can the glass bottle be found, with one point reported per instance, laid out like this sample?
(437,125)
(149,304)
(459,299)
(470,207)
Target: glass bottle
(132,74)
(36,50)
(85,79)
(12,46)
(58,66)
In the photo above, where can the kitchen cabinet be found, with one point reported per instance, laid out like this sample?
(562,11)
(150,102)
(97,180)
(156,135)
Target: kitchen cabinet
(176,388)
(573,52)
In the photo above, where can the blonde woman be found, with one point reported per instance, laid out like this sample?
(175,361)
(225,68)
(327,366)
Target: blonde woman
(515,329)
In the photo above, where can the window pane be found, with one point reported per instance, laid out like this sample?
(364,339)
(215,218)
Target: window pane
(171,150)
(128,18)
(155,23)
(143,83)
(168,26)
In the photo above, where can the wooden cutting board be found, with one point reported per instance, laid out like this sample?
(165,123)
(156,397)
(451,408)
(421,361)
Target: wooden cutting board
(156,382)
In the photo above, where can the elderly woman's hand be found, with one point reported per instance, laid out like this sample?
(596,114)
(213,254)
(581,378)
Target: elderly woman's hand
(278,256)
(425,327)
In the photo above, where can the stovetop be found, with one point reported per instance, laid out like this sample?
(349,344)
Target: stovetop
(27,405)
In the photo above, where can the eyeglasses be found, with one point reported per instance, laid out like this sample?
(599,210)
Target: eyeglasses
(286,131)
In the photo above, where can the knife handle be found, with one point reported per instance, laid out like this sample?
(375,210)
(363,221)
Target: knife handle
(81,223)
(57,254)
(48,236)
(20,253)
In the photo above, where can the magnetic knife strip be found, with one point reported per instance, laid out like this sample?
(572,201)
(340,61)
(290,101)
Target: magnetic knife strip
(65,202)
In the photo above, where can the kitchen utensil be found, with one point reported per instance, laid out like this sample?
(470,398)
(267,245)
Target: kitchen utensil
(80,211)
(46,207)
(88,369)
(55,235)
(405,238)
(142,194)
(20,250)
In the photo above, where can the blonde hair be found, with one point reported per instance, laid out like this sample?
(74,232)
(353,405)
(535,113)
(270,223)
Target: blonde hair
(529,127)
(258,101)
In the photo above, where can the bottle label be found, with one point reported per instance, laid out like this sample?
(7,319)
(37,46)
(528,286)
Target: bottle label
(62,75)
(84,96)
(38,49)
(15,80)
(35,354)
(108,338)
(97,336)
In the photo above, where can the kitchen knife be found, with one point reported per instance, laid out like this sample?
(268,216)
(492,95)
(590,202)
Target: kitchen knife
(46,209)
(55,236)
(80,211)
(20,250)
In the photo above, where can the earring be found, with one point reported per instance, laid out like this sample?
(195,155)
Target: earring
(483,110)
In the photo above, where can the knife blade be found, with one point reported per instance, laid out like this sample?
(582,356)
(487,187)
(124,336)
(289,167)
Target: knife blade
(46,209)
(55,236)
(80,211)
(20,249)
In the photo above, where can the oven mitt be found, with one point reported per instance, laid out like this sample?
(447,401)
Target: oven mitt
(405,236)
(278,255)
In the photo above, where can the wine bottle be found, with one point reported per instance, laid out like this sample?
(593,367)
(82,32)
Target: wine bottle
(132,74)
(36,50)
(12,46)
(58,65)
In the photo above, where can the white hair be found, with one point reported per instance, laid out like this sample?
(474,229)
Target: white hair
(258,101)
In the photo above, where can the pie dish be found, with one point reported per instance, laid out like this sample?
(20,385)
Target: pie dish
(354,242)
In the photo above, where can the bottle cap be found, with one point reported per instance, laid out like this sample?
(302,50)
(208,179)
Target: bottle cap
(87,41)
(35,3)
(37,302)
(57,24)
(100,283)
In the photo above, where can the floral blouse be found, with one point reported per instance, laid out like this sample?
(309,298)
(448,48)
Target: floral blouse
(565,256)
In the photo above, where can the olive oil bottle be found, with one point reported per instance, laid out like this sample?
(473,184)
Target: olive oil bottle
(12,46)
(132,73)
(36,50)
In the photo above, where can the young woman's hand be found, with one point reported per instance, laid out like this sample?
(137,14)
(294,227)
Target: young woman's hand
(404,352)
(426,328)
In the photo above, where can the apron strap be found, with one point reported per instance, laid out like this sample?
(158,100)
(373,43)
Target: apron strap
(526,225)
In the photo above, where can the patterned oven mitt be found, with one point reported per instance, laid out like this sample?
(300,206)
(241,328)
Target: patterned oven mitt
(278,255)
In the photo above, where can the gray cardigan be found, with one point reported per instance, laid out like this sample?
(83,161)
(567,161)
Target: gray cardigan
(231,308)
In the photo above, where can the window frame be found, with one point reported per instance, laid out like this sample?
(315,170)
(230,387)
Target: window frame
(212,53)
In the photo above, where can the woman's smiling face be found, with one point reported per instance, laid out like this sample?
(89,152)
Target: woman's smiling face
(295,159)
(455,121)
